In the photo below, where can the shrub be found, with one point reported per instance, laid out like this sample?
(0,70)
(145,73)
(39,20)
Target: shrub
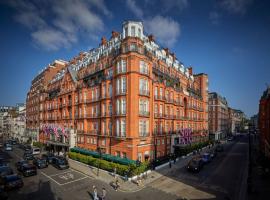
(129,170)
(38,144)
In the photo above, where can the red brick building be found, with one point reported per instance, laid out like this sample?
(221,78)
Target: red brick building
(264,123)
(129,97)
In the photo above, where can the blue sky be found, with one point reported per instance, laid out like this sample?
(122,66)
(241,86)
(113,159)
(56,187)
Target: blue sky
(227,39)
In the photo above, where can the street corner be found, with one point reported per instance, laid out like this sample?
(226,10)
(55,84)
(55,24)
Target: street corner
(66,177)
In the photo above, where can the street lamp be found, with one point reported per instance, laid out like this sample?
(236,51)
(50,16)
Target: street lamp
(99,152)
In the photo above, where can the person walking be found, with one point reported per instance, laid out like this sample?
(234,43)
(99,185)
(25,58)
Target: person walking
(104,192)
(95,194)
(116,184)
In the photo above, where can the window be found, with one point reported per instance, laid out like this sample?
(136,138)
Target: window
(121,85)
(133,47)
(121,127)
(160,109)
(156,108)
(143,106)
(132,31)
(139,32)
(144,86)
(121,106)
(160,92)
(143,128)
(143,67)
(121,66)
(124,154)
(156,91)
(126,32)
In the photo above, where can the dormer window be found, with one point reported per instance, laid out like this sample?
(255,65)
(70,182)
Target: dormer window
(132,31)
(139,33)
(126,32)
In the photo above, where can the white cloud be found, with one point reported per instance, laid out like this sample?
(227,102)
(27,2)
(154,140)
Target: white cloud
(214,17)
(165,29)
(63,20)
(236,6)
(134,8)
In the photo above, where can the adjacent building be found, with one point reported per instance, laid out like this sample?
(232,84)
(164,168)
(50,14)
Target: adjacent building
(128,97)
(264,123)
(236,118)
(38,87)
(218,116)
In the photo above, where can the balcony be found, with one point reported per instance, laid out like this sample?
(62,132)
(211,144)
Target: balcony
(144,92)
(144,113)
(92,115)
(159,97)
(158,115)
(120,113)
(121,92)
(144,71)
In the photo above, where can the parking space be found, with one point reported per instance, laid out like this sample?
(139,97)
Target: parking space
(65,177)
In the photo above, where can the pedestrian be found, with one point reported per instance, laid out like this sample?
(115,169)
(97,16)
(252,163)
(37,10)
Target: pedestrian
(104,192)
(116,184)
(95,194)
(174,159)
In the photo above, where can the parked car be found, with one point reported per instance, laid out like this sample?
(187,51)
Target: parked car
(27,147)
(195,164)
(28,156)
(29,170)
(11,182)
(49,157)
(40,162)
(230,139)
(60,162)
(35,151)
(206,157)
(3,162)
(213,154)
(8,147)
(5,170)
(219,148)
(19,164)
(13,142)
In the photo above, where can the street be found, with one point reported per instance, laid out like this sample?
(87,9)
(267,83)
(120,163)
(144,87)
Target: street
(223,178)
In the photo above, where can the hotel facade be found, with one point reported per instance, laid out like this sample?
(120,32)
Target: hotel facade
(129,98)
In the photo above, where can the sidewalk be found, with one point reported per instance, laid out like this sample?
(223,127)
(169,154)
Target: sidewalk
(131,186)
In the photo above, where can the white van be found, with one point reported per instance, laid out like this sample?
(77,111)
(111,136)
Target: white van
(35,150)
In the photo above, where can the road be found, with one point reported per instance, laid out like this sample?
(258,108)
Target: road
(220,179)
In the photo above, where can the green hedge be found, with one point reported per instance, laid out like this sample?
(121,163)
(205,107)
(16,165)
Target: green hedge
(196,146)
(122,170)
(38,144)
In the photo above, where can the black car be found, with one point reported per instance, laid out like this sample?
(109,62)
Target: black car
(13,142)
(219,148)
(195,164)
(60,163)
(49,157)
(40,162)
(19,164)
(29,170)
(5,170)
(28,156)
(27,148)
(11,182)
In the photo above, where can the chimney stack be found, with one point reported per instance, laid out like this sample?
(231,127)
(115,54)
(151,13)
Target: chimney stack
(103,41)
(167,51)
(190,71)
(151,38)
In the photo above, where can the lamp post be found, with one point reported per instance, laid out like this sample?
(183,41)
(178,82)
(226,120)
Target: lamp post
(99,152)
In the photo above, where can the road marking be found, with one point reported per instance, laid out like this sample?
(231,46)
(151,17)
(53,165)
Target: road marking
(74,181)
(59,173)
(82,173)
(50,178)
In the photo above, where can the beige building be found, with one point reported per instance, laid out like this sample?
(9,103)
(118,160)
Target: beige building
(218,116)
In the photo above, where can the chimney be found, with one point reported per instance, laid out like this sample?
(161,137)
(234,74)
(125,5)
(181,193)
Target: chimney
(174,57)
(151,38)
(167,51)
(190,70)
(114,34)
(103,41)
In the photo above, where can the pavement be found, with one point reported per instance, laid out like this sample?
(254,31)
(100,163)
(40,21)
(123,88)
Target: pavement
(259,177)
